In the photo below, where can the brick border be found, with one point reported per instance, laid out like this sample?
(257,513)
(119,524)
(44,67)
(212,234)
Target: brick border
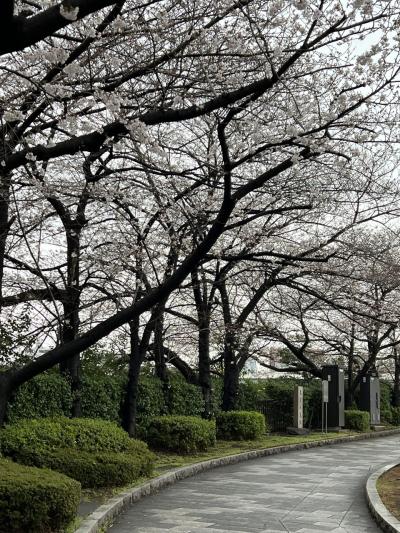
(384,518)
(104,515)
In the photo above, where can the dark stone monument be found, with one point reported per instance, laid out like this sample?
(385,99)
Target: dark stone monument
(335,407)
(370,397)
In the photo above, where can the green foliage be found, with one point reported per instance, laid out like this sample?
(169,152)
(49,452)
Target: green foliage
(182,434)
(357,420)
(92,470)
(395,416)
(83,434)
(35,500)
(386,416)
(101,396)
(251,393)
(150,398)
(240,425)
(95,452)
(47,395)
(386,395)
(186,399)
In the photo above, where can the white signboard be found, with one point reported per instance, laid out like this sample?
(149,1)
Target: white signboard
(325,391)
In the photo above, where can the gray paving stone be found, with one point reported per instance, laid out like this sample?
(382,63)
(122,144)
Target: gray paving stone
(310,491)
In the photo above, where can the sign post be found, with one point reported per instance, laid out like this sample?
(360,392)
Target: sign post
(325,400)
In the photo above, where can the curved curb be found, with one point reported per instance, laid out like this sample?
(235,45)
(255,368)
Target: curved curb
(104,514)
(384,518)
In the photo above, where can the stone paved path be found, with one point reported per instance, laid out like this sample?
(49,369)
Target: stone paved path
(316,490)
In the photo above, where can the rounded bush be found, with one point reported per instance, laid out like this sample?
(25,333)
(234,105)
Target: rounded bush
(100,469)
(357,420)
(35,500)
(85,434)
(182,434)
(94,452)
(240,425)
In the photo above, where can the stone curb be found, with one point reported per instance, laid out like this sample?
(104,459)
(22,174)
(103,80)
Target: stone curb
(384,518)
(104,515)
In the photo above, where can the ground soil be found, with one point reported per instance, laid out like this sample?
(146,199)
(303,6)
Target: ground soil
(389,490)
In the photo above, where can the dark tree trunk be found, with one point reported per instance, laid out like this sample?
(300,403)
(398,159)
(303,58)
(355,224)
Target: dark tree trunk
(129,406)
(202,301)
(396,385)
(159,357)
(71,368)
(204,366)
(4,223)
(6,390)
(231,386)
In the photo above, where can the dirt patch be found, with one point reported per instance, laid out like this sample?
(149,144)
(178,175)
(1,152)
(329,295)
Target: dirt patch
(388,486)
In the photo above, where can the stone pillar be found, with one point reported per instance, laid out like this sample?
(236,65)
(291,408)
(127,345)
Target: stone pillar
(298,407)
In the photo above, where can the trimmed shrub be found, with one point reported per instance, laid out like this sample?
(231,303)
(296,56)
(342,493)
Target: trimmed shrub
(95,452)
(395,416)
(84,434)
(357,420)
(105,469)
(33,499)
(182,434)
(240,425)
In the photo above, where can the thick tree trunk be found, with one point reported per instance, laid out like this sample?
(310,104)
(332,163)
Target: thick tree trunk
(5,394)
(159,357)
(71,368)
(4,223)
(204,366)
(130,402)
(231,387)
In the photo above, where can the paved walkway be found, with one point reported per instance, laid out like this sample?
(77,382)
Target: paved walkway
(315,490)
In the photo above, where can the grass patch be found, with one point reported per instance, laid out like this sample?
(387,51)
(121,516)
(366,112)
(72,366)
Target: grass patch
(388,486)
(168,460)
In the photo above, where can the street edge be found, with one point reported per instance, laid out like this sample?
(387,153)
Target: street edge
(383,517)
(106,513)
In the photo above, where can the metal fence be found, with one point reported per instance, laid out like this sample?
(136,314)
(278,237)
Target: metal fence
(276,420)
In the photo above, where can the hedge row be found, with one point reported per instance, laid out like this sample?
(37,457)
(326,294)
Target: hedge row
(33,499)
(49,395)
(95,452)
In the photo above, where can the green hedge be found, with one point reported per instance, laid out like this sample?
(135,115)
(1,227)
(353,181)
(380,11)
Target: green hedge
(182,434)
(240,425)
(357,420)
(35,500)
(395,416)
(386,416)
(92,470)
(46,395)
(83,434)
(95,452)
